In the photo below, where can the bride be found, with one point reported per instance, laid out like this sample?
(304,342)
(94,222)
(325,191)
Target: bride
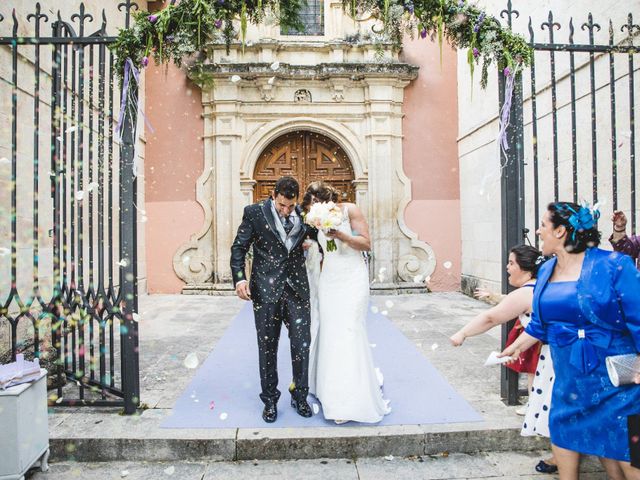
(341,371)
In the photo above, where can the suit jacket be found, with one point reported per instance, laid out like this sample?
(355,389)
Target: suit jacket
(273,265)
(608,294)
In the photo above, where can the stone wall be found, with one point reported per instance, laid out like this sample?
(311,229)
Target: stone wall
(478,128)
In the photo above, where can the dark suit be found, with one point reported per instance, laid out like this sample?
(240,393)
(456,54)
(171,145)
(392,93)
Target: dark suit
(280,293)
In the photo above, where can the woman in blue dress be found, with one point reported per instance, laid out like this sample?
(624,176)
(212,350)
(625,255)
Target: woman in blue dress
(586,306)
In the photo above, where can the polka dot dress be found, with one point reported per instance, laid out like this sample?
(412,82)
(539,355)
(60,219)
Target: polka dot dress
(536,420)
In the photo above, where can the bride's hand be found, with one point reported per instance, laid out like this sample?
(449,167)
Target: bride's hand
(332,233)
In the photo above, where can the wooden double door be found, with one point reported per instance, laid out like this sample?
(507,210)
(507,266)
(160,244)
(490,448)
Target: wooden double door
(308,157)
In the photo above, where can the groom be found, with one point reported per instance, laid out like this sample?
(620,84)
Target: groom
(279,289)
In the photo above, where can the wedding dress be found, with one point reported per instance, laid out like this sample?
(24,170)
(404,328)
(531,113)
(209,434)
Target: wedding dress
(312,264)
(346,383)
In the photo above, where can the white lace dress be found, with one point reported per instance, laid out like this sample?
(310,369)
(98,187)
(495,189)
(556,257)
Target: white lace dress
(312,263)
(346,382)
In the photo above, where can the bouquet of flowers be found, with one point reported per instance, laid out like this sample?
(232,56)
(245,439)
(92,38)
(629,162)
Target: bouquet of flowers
(325,216)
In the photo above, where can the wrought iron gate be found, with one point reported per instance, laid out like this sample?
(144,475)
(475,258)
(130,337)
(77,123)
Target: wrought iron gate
(68,264)
(572,133)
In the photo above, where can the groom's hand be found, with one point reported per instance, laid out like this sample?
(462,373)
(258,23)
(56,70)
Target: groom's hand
(242,290)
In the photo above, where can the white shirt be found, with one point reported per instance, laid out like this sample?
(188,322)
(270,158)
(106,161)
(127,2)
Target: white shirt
(279,221)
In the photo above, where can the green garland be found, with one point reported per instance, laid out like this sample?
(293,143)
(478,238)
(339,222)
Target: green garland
(180,30)
(462,24)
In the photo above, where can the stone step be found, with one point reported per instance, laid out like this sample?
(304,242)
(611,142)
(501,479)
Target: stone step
(117,438)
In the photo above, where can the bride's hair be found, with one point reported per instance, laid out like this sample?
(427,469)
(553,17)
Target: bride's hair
(322,191)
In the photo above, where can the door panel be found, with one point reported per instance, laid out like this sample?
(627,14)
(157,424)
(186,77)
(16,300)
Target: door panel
(307,156)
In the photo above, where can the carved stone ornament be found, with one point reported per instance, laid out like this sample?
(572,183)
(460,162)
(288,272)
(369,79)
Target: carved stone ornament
(337,93)
(302,96)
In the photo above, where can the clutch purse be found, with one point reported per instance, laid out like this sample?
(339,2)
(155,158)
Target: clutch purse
(622,369)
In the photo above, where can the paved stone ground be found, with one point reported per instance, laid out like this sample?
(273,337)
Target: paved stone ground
(173,326)
(497,466)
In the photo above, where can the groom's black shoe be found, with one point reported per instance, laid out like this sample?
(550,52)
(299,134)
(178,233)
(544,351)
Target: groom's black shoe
(302,407)
(270,413)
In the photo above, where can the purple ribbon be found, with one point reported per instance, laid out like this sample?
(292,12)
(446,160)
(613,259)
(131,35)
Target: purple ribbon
(129,70)
(128,64)
(505,113)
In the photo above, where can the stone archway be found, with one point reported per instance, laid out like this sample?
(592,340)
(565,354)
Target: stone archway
(307,156)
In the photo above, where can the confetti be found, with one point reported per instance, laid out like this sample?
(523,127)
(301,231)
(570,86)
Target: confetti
(170,470)
(275,66)
(79,195)
(143,219)
(388,304)
(384,312)
(434,346)
(4,251)
(91,186)
(316,408)
(136,317)
(271,80)
(375,309)
(212,405)
(124,473)
(123,262)
(389,458)
(372,345)
(417,279)
(235,78)
(447,264)
(223,416)
(71,129)
(191,360)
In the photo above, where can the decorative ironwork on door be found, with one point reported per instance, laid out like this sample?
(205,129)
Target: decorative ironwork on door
(68,258)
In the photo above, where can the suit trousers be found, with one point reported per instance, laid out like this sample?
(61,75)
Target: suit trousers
(293,311)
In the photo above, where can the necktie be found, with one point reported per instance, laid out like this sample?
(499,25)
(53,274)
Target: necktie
(288,224)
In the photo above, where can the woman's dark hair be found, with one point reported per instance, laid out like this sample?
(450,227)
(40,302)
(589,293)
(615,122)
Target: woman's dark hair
(528,258)
(307,200)
(582,231)
(288,187)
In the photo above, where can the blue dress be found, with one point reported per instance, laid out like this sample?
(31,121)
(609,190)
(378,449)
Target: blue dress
(587,414)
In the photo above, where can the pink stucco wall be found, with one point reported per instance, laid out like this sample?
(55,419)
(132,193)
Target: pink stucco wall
(174,161)
(431,157)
